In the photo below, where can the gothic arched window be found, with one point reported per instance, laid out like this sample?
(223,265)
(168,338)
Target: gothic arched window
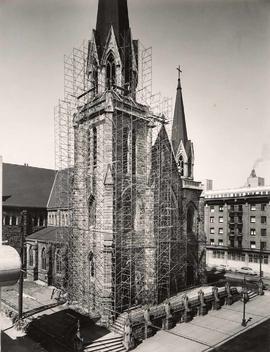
(110,72)
(91,263)
(181,165)
(95,76)
(58,261)
(95,147)
(43,259)
(92,210)
(31,256)
(189,167)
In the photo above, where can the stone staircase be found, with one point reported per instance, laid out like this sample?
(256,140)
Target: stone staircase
(113,344)
(119,324)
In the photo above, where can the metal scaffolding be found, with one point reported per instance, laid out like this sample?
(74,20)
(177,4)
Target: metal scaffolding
(137,257)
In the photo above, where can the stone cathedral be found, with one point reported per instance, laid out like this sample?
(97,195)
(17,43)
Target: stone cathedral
(137,230)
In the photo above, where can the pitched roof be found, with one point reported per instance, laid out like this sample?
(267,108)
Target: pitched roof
(26,186)
(179,128)
(61,190)
(51,234)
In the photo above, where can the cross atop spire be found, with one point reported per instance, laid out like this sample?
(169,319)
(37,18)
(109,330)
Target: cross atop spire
(179,76)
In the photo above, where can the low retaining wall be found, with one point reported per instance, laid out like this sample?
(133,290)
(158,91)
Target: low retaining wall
(144,322)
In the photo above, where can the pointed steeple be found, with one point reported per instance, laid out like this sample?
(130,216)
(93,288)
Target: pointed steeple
(179,128)
(112,13)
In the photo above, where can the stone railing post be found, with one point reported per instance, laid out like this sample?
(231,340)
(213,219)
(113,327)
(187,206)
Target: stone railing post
(260,288)
(229,297)
(216,301)
(128,339)
(167,322)
(202,306)
(187,312)
(147,320)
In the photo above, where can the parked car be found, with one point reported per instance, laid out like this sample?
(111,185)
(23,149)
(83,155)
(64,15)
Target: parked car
(221,268)
(246,270)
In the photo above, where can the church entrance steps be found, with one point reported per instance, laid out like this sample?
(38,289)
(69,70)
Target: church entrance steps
(119,324)
(113,344)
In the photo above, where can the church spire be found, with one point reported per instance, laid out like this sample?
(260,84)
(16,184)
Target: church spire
(112,13)
(179,128)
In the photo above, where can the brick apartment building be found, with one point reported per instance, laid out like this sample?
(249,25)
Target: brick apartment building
(237,226)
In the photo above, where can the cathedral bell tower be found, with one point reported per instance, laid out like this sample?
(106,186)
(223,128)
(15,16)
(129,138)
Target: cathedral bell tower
(113,240)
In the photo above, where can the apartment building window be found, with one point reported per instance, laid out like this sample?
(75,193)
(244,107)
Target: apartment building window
(218,254)
(263,232)
(253,219)
(212,230)
(263,246)
(220,231)
(212,219)
(252,244)
(212,242)
(252,232)
(232,207)
(263,207)
(220,219)
(240,207)
(256,258)
(212,208)
(220,208)
(236,256)
(263,219)
(253,207)
(220,242)
(265,259)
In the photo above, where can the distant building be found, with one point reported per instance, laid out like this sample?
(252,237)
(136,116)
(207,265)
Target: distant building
(207,185)
(237,225)
(24,188)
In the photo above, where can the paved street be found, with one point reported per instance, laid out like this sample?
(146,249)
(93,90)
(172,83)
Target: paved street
(256,339)
(204,333)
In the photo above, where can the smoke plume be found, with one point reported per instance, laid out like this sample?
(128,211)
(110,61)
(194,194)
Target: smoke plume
(265,155)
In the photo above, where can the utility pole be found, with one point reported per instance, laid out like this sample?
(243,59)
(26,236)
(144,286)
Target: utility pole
(22,254)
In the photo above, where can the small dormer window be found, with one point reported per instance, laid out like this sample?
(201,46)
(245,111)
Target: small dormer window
(110,72)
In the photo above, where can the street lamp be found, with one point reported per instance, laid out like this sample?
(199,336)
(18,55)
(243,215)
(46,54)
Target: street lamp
(245,300)
(260,260)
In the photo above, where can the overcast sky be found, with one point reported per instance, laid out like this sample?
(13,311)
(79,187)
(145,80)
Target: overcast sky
(222,46)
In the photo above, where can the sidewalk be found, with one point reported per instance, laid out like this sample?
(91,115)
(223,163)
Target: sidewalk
(34,296)
(205,332)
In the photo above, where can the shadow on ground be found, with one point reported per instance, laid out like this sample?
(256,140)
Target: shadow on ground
(58,332)
(256,339)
